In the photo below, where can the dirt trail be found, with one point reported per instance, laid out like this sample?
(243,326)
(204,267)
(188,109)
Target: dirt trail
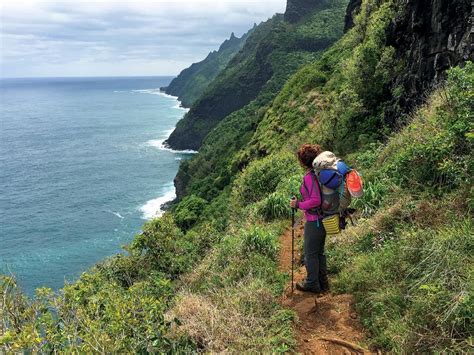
(327,324)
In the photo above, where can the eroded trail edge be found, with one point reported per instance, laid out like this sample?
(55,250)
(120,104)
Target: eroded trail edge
(327,324)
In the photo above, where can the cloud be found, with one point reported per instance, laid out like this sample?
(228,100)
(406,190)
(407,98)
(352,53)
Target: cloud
(119,38)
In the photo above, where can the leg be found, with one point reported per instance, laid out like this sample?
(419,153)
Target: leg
(311,251)
(323,272)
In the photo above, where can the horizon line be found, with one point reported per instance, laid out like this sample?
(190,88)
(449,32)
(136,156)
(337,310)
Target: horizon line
(87,76)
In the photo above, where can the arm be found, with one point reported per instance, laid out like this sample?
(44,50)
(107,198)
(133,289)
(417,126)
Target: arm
(308,204)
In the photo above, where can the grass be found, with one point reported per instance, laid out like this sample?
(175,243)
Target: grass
(228,303)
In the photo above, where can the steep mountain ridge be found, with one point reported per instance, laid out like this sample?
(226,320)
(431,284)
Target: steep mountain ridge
(271,53)
(191,83)
(387,79)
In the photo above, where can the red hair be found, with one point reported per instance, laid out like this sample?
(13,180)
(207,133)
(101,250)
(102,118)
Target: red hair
(307,153)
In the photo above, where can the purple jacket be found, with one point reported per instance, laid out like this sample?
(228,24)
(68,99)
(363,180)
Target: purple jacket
(311,199)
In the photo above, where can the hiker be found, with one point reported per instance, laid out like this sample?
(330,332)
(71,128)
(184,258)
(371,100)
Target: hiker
(314,232)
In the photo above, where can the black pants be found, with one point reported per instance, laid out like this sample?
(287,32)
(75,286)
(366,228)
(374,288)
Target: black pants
(315,259)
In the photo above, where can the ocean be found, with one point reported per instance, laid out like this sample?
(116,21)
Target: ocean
(82,167)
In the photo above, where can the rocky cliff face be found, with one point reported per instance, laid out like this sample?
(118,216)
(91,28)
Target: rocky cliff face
(429,36)
(352,9)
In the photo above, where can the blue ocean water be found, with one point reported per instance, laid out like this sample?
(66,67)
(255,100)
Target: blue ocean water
(81,168)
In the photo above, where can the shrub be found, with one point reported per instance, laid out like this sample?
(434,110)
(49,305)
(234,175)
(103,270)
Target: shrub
(202,237)
(417,283)
(261,241)
(188,211)
(262,177)
(274,206)
(160,246)
(91,315)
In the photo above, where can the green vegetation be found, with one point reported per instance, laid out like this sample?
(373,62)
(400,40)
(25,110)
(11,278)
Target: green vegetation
(204,277)
(189,210)
(272,53)
(118,306)
(229,302)
(192,82)
(410,265)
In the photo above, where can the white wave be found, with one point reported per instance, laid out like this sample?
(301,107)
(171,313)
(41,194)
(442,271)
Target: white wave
(179,107)
(116,214)
(116,91)
(148,91)
(152,208)
(159,143)
(156,92)
(162,93)
(168,132)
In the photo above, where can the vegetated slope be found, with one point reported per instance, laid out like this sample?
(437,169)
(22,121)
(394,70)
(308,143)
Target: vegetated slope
(213,168)
(362,79)
(191,83)
(273,51)
(205,276)
(344,100)
(408,262)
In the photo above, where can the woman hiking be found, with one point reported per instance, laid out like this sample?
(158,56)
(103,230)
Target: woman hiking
(314,233)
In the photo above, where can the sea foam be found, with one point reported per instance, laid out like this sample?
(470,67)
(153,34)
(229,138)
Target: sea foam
(162,93)
(117,214)
(160,144)
(152,208)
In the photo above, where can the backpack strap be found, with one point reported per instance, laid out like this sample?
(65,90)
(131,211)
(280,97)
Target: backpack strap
(320,208)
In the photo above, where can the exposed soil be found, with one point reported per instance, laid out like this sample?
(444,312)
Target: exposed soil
(327,324)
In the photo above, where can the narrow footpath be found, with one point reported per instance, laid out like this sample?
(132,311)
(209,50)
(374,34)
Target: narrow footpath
(327,324)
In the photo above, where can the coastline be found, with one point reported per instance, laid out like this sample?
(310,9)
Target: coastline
(82,195)
(156,207)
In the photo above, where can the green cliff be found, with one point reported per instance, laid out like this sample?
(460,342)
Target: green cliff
(191,83)
(272,52)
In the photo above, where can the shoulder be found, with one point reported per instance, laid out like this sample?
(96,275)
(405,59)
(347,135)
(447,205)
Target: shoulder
(309,177)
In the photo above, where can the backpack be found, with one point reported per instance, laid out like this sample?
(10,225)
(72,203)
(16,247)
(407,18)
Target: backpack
(338,183)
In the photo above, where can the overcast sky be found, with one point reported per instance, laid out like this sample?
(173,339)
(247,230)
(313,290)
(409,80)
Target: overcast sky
(107,38)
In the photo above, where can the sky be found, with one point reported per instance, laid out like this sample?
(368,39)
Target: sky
(119,38)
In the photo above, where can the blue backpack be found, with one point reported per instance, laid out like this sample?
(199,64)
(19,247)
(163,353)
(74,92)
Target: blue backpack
(334,194)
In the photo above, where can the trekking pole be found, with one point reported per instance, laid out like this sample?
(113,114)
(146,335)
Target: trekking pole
(292,246)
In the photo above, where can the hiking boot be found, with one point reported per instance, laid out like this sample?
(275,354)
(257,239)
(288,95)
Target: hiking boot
(305,288)
(302,260)
(325,286)
(324,281)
